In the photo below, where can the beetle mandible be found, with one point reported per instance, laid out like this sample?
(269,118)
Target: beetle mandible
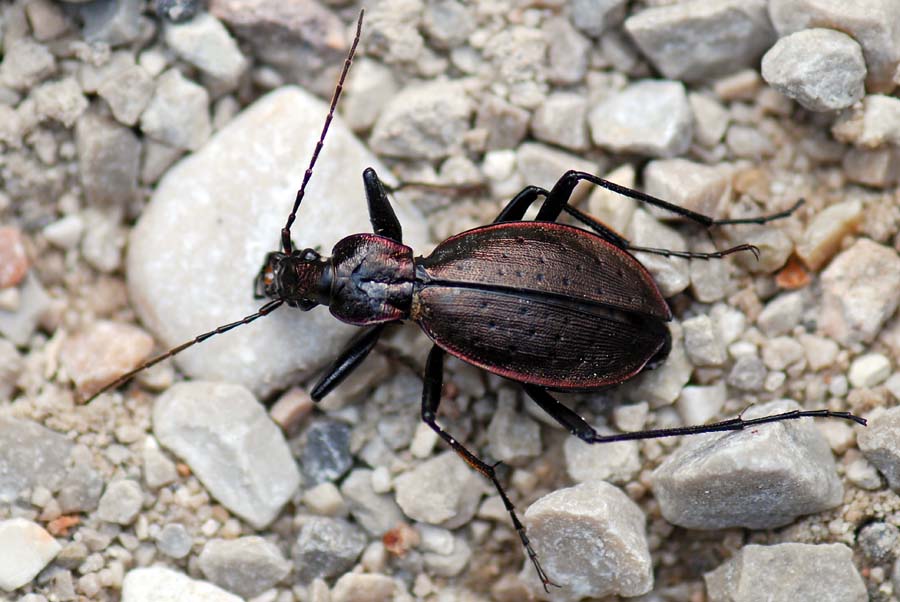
(550,306)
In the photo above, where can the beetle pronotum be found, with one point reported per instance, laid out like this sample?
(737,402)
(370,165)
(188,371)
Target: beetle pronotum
(550,306)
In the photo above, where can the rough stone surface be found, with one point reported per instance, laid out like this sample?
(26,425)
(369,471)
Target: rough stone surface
(512,435)
(614,462)
(25,549)
(109,159)
(18,323)
(14,262)
(593,17)
(247,566)
(861,289)
(423,122)
(825,232)
(822,69)
(103,352)
(326,453)
(178,112)
(121,502)
(759,478)
(672,274)
(703,39)
(227,439)
(40,457)
(561,120)
(25,63)
(591,541)
(649,117)
(114,22)
(377,513)
(205,43)
(788,572)
(234,208)
(158,584)
(688,184)
(326,547)
(871,124)
(871,24)
(880,443)
(441,491)
(127,92)
(357,587)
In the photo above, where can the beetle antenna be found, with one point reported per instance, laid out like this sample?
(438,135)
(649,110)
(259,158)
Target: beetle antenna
(264,310)
(286,231)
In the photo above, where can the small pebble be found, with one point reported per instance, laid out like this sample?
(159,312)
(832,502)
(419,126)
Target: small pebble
(25,63)
(614,462)
(178,112)
(159,470)
(878,168)
(247,566)
(121,502)
(14,262)
(377,513)
(698,405)
(25,549)
(649,117)
(593,17)
(562,120)
(326,454)
(440,491)
(758,478)
(672,274)
(205,43)
(825,232)
(592,542)
(879,541)
(702,342)
(823,572)
(103,352)
(512,435)
(326,547)
(871,124)
(174,541)
(108,160)
(127,91)
(880,443)
(325,499)
(357,587)
(114,22)
(693,186)
(869,370)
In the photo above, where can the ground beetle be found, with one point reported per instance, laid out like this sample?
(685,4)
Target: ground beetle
(550,306)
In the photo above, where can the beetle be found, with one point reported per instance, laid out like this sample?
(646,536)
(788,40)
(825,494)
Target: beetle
(550,306)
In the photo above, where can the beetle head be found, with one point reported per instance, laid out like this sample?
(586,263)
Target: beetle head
(300,279)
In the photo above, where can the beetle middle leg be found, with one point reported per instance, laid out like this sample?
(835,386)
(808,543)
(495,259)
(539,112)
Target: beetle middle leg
(351,357)
(431,399)
(577,425)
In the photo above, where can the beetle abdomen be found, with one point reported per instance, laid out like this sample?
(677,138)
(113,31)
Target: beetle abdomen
(548,257)
(540,339)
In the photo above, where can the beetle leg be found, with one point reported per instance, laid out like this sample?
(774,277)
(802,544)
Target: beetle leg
(516,208)
(431,399)
(562,190)
(581,429)
(381,214)
(351,357)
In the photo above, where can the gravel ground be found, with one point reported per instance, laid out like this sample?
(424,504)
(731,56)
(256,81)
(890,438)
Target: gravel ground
(149,154)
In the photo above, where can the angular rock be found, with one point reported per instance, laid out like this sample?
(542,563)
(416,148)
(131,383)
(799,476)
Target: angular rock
(33,456)
(127,91)
(25,549)
(441,491)
(370,87)
(377,513)
(825,232)
(359,587)
(872,124)
(781,314)
(861,289)
(178,112)
(108,160)
(25,63)
(114,22)
(326,455)
(649,117)
(103,352)
(247,566)
(880,443)
(613,462)
(326,547)
(61,101)
(760,478)
(672,274)
(788,572)
(688,184)
(121,502)
(512,435)
(870,23)
(702,39)
(205,43)
(879,168)
(561,120)
(427,121)
(591,541)
(200,243)
(158,584)
(225,436)
(703,342)
(593,17)
(822,69)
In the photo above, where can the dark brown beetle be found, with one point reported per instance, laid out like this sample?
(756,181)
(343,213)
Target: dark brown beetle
(550,306)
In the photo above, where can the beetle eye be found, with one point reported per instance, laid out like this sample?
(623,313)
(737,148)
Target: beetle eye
(310,255)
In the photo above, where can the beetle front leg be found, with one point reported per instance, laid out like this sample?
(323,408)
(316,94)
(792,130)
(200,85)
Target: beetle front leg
(349,359)
(431,399)
(381,214)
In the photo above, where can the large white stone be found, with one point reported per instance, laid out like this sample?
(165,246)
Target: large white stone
(201,241)
(25,549)
(158,584)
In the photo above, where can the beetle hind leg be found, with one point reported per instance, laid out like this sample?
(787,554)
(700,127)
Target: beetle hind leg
(431,399)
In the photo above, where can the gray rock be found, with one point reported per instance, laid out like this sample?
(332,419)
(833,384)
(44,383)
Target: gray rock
(448,23)
(505,124)
(158,584)
(326,547)
(176,10)
(247,566)
(34,456)
(672,274)
(377,513)
(159,470)
(759,478)
(748,142)
(698,405)
(861,289)
(441,491)
(236,451)
(710,119)
(80,490)
(26,549)
(60,100)
(649,117)
(561,120)
(879,541)
(326,454)
(518,58)
(108,160)
(542,165)
(25,63)
(205,43)
(427,121)
(393,28)
(121,502)
(567,52)
(449,562)
(233,205)
(11,365)
(880,443)
(112,21)
(512,435)
(703,342)
(178,112)
(788,572)
(702,39)
(591,541)
(370,87)
(781,314)
(822,69)
(688,184)
(174,540)
(870,24)
(19,324)
(872,124)
(614,462)
(593,17)
(780,352)
(127,91)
